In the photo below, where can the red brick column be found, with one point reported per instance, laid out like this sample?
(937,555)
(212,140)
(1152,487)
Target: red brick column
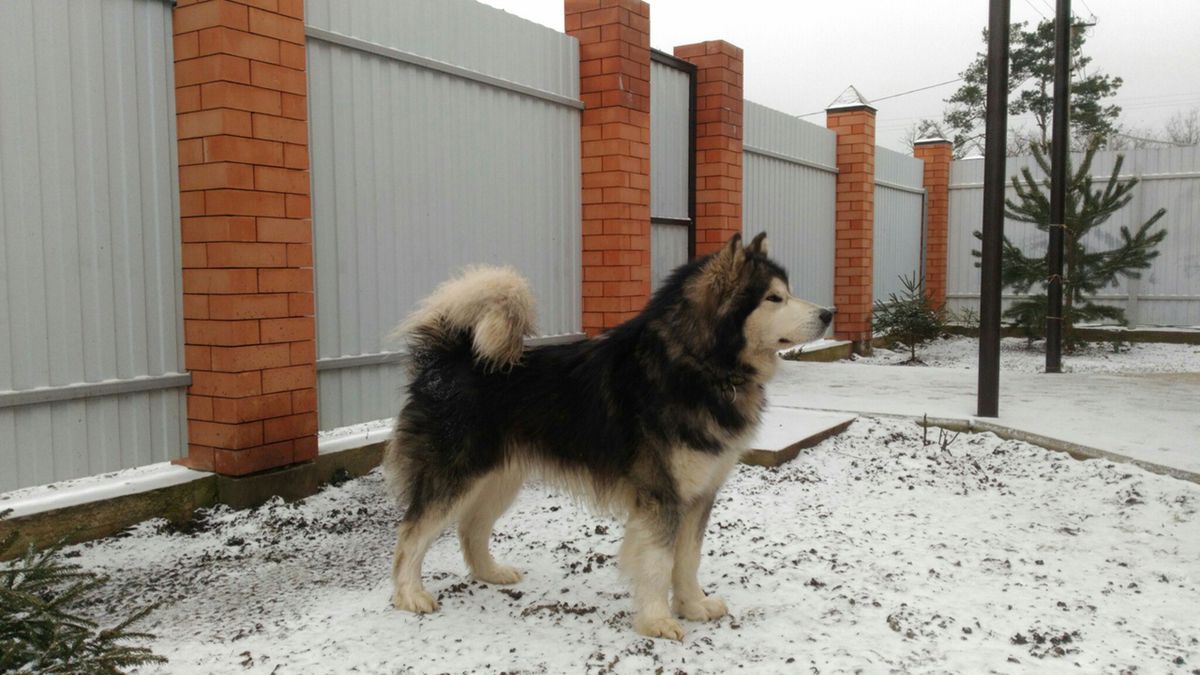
(614,83)
(854,122)
(718,156)
(247,234)
(937,153)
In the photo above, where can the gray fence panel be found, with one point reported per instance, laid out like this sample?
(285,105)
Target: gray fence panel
(789,190)
(89,249)
(464,33)
(669,246)
(1168,294)
(432,150)
(899,221)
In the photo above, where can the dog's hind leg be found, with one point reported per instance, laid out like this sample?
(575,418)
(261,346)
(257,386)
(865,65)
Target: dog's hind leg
(690,601)
(646,557)
(495,494)
(412,541)
(422,523)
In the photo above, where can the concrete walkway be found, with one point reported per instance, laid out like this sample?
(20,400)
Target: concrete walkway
(1153,420)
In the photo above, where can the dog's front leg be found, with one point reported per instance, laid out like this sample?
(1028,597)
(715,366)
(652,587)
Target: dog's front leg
(690,602)
(647,557)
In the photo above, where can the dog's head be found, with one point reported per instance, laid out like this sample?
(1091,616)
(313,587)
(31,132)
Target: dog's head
(745,299)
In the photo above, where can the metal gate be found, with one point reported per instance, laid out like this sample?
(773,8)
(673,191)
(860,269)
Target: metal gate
(672,171)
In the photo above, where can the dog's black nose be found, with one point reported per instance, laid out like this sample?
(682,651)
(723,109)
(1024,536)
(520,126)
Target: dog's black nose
(827,315)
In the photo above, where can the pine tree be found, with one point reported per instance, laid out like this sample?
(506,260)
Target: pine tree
(1030,92)
(910,317)
(42,629)
(1085,273)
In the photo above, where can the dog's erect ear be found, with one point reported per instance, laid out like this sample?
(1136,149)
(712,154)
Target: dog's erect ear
(735,254)
(732,254)
(733,246)
(719,275)
(759,245)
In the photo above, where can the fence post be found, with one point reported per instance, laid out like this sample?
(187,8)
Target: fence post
(937,154)
(852,118)
(718,142)
(614,84)
(241,106)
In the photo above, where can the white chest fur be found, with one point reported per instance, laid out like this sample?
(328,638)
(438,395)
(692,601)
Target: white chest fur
(698,475)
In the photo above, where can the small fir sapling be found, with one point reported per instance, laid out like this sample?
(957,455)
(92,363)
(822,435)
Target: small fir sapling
(910,317)
(43,627)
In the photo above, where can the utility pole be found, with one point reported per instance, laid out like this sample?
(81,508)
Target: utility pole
(1058,185)
(996,135)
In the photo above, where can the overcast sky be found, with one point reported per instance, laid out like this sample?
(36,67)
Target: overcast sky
(801,54)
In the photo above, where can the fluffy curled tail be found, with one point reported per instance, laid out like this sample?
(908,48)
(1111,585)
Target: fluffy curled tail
(492,305)
(489,310)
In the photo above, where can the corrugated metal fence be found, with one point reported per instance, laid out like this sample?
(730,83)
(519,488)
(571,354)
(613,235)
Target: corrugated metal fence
(1168,294)
(899,221)
(443,134)
(789,190)
(90,318)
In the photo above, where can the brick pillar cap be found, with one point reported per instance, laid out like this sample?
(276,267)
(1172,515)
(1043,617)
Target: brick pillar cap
(931,141)
(707,47)
(850,99)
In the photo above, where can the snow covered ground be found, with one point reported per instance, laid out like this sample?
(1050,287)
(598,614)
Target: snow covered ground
(872,551)
(1016,355)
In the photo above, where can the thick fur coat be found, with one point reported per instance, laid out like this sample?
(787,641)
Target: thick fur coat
(644,421)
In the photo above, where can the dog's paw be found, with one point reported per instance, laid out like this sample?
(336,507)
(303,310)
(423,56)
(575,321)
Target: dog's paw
(664,627)
(499,574)
(417,600)
(706,608)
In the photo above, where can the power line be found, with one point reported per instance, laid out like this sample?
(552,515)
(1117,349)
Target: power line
(1151,140)
(913,91)
(903,93)
(1040,13)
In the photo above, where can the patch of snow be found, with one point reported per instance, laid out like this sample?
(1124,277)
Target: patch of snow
(355,429)
(1017,355)
(814,346)
(354,435)
(850,98)
(1147,417)
(781,428)
(113,484)
(67,493)
(873,551)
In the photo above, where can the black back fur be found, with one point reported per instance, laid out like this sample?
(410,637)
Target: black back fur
(612,405)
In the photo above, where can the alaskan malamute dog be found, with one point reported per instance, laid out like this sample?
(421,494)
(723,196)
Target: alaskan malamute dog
(644,421)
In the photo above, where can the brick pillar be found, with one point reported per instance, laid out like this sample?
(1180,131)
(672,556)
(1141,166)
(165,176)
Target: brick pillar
(853,119)
(247,234)
(614,83)
(718,156)
(937,153)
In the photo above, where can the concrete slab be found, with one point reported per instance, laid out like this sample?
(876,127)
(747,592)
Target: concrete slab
(786,431)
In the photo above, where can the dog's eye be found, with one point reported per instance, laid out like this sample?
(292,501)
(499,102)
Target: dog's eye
(774,298)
